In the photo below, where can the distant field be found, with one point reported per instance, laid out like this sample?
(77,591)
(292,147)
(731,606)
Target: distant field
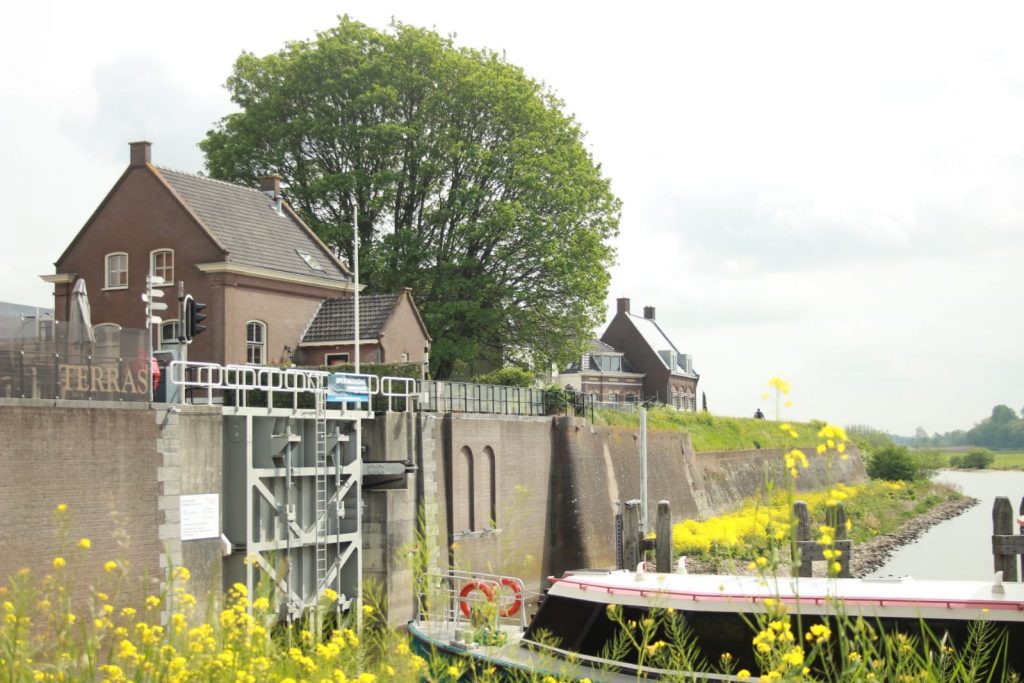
(1005,460)
(1009,460)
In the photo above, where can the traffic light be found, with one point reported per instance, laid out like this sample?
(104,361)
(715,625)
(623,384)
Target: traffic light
(192,319)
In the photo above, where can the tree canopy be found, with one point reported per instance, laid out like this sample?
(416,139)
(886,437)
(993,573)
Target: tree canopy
(472,185)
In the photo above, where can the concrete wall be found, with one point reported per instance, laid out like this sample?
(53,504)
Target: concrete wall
(120,469)
(390,513)
(556,481)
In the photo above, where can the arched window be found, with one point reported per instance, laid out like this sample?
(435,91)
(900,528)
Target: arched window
(464,491)
(161,264)
(255,342)
(116,269)
(489,491)
(108,341)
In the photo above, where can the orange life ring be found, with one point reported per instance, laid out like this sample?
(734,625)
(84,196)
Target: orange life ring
(517,603)
(468,588)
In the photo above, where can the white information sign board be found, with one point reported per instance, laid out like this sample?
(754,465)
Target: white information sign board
(200,516)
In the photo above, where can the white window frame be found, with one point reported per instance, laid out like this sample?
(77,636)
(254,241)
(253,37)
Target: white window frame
(173,342)
(329,357)
(254,347)
(168,280)
(108,337)
(107,272)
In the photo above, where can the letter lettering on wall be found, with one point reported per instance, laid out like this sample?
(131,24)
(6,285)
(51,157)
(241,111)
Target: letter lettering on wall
(129,383)
(64,372)
(112,383)
(82,377)
(96,378)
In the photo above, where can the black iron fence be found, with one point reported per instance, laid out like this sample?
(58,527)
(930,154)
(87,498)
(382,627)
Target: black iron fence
(465,397)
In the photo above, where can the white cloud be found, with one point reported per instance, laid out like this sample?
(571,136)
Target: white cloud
(826,193)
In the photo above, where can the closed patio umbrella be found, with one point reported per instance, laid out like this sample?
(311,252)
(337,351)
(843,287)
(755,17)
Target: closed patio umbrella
(80,330)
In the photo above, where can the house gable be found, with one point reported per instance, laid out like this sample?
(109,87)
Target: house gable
(650,351)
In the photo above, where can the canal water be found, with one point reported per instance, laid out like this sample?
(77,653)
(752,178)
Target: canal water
(959,548)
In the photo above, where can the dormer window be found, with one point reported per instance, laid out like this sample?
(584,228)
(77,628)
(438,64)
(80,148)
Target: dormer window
(310,261)
(116,271)
(161,264)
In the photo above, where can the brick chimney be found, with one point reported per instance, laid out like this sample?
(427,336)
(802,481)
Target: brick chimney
(649,312)
(622,305)
(140,155)
(271,186)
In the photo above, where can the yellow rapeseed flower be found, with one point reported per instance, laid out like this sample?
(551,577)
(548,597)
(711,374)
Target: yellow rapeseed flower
(58,562)
(84,543)
(63,507)
(110,566)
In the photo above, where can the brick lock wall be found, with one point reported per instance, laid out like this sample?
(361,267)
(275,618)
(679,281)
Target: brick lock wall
(557,481)
(101,460)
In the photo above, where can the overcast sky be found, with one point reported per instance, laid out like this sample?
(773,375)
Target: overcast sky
(830,194)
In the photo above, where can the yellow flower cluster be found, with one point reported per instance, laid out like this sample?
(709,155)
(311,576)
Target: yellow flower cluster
(754,525)
(168,641)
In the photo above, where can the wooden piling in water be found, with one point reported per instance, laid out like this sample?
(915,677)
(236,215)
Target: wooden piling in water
(663,538)
(1006,543)
(631,534)
(807,551)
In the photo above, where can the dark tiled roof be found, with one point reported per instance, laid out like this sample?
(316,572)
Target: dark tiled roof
(246,223)
(598,348)
(334,320)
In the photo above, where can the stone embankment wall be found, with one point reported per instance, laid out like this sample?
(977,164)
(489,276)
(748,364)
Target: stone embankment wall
(553,483)
(120,468)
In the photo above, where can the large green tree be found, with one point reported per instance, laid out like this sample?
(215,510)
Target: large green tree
(472,185)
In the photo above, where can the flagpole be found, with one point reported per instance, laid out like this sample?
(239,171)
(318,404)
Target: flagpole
(355,230)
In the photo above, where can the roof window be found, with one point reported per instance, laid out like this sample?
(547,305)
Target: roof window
(310,261)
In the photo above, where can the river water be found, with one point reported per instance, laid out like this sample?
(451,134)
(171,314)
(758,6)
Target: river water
(959,548)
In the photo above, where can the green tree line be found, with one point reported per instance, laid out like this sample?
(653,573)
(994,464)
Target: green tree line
(1002,430)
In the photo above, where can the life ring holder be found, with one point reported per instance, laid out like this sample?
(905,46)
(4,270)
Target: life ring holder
(517,602)
(468,588)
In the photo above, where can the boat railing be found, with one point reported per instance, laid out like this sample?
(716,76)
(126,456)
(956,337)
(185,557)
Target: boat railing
(462,600)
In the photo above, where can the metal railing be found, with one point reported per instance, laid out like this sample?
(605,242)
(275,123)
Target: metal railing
(460,600)
(464,397)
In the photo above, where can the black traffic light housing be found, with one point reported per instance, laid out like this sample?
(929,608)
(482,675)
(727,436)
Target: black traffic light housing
(192,319)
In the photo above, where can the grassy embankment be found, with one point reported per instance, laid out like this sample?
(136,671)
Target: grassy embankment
(872,507)
(712,433)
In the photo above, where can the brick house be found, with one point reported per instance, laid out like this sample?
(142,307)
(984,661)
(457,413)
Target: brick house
(605,374)
(390,331)
(242,251)
(668,375)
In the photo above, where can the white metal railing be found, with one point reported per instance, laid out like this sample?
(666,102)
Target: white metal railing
(399,387)
(242,378)
(239,379)
(465,600)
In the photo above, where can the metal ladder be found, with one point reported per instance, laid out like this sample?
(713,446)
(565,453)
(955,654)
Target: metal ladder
(322,526)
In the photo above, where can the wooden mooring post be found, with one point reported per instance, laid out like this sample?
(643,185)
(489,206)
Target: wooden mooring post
(1007,541)
(806,550)
(634,546)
